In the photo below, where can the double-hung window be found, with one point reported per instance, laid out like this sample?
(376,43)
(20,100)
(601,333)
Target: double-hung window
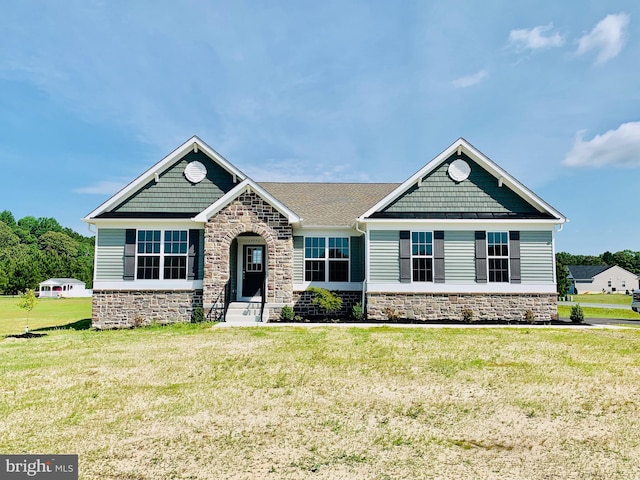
(498,256)
(326,259)
(175,254)
(422,256)
(162,254)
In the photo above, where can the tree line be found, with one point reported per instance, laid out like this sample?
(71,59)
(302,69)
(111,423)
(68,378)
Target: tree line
(33,250)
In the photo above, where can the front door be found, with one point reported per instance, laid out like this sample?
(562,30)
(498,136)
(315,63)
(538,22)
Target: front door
(252,270)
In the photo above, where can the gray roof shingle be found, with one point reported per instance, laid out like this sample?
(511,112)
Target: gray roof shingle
(586,272)
(329,204)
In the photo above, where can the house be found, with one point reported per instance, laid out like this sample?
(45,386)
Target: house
(601,279)
(63,287)
(459,235)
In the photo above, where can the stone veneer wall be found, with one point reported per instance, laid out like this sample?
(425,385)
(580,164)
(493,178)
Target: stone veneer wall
(420,306)
(133,308)
(248,213)
(302,304)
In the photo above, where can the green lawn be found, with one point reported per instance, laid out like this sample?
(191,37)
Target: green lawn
(564,311)
(195,402)
(618,299)
(49,312)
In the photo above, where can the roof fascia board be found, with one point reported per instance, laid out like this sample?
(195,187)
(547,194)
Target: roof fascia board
(232,194)
(167,161)
(461,145)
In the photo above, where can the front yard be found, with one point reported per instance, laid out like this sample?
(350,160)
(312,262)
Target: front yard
(191,401)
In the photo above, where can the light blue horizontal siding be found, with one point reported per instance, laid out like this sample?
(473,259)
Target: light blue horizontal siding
(384,252)
(536,256)
(110,254)
(459,257)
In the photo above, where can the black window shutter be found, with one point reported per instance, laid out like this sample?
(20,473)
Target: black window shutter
(514,256)
(356,245)
(130,254)
(438,256)
(194,251)
(405,256)
(481,256)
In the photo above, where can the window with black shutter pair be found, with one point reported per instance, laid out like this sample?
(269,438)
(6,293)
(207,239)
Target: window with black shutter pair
(497,257)
(421,256)
(161,254)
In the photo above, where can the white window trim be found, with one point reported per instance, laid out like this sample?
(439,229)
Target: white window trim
(162,256)
(326,259)
(419,282)
(494,257)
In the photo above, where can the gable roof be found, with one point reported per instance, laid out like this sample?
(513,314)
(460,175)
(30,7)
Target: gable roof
(328,204)
(540,209)
(586,272)
(246,185)
(193,144)
(62,281)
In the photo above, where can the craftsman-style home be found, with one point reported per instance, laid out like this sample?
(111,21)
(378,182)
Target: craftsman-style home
(461,235)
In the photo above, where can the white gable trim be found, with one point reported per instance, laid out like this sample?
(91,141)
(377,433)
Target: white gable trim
(459,146)
(246,185)
(193,144)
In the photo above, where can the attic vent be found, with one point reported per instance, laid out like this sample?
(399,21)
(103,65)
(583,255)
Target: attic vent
(195,172)
(459,170)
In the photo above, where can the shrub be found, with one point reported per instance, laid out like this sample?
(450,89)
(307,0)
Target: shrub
(467,315)
(198,315)
(329,302)
(577,315)
(391,314)
(529,316)
(287,314)
(357,312)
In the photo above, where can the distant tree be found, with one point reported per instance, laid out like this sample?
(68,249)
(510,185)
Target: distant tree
(562,279)
(7,237)
(58,242)
(8,219)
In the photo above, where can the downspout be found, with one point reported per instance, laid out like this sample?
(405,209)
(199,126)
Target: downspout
(364,282)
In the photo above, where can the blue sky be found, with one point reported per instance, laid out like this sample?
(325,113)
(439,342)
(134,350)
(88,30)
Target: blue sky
(92,93)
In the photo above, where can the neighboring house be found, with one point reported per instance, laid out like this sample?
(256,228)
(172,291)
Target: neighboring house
(601,278)
(193,230)
(63,287)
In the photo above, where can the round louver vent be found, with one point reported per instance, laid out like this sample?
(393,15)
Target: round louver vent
(459,170)
(195,172)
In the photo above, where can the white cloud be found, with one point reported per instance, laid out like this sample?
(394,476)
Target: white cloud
(619,148)
(470,80)
(607,37)
(539,37)
(104,187)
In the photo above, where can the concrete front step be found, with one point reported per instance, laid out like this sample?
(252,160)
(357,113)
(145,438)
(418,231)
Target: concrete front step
(243,313)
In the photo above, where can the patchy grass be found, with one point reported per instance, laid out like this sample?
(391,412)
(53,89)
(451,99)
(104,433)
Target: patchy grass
(48,313)
(564,311)
(611,299)
(189,401)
